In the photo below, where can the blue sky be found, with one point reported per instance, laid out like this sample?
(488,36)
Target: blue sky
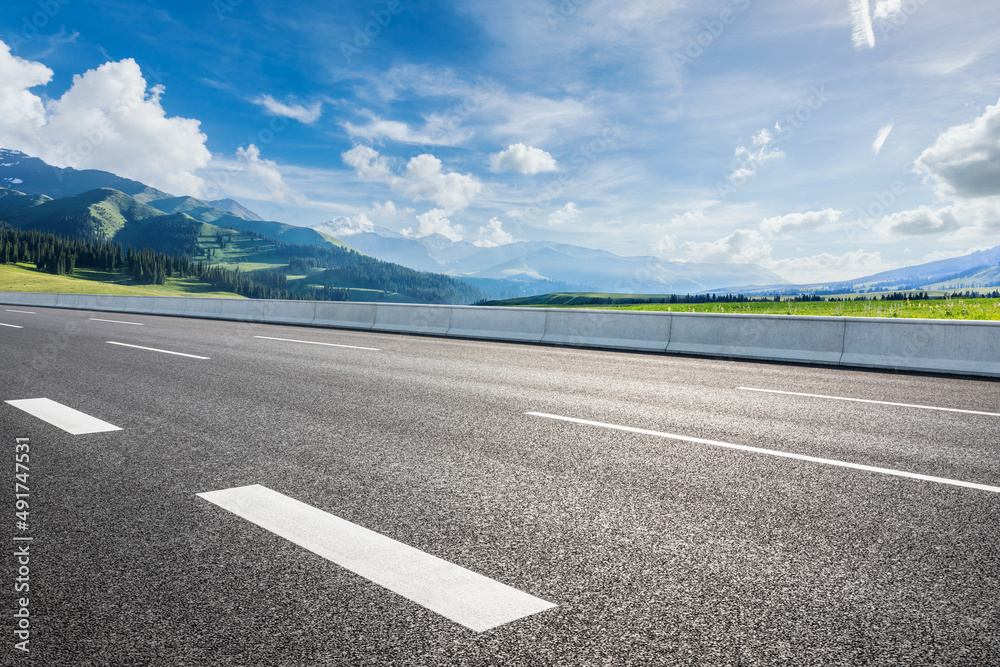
(821,139)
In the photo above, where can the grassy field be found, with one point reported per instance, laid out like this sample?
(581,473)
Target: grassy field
(943,309)
(939,308)
(25,278)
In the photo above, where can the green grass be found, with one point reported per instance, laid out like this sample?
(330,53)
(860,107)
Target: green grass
(946,309)
(25,278)
(943,309)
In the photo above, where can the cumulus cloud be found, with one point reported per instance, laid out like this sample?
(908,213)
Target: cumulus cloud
(492,234)
(964,161)
(435,221)
(297,112)
(22,114)
(525,159)
(862,34)
(566,214)
(796,223)
(108,119)
(880,138)
(264,175)
(423,178)
(367,163)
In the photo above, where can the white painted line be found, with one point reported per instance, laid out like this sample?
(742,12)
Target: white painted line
(61,416)
(774,452)
(26,312)
(865,400)
(138,324)
(463,596)
(12,326)
(153,349)
(292,340)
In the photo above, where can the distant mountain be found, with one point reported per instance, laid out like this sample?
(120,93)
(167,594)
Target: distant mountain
(540,266)
(977,269)
(33,176)
(234,207)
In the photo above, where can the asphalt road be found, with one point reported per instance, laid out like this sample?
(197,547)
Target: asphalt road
(655,550)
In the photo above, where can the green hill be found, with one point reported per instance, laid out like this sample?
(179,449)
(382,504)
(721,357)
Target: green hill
(199,210)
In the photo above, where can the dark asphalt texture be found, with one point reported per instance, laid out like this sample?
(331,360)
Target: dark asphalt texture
(658,552)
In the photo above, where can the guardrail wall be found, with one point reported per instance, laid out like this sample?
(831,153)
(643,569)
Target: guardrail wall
(939,346)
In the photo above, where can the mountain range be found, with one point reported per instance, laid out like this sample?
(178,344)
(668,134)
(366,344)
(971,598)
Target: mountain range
(36,195)
(545,266)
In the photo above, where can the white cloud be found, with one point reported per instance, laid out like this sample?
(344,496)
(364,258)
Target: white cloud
(367,163)
(108,119)
(297,112)
(689,219)
(880,138)
(561,216)
(862,34)
(264,175)
(826,267)
(978,216)
(437,131)
(743,246)
(665,245)
(423,179)
(22,114)
(885,9)
(965,159)
(746,246)
(750,158)
(435,221)
(795,223)
(525,159)
(492,234)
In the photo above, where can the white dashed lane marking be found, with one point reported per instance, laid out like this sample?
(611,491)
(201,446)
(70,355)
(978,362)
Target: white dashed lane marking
(64,417)
(463,596)
(865,400)
(153,349)
(310,342)
(774,452)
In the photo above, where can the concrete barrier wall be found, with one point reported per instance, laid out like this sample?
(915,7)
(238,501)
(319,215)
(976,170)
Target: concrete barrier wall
(950,346)
(767,337)
(340,315)
(593,328)
(405,318)
(517,324)
(938,346)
